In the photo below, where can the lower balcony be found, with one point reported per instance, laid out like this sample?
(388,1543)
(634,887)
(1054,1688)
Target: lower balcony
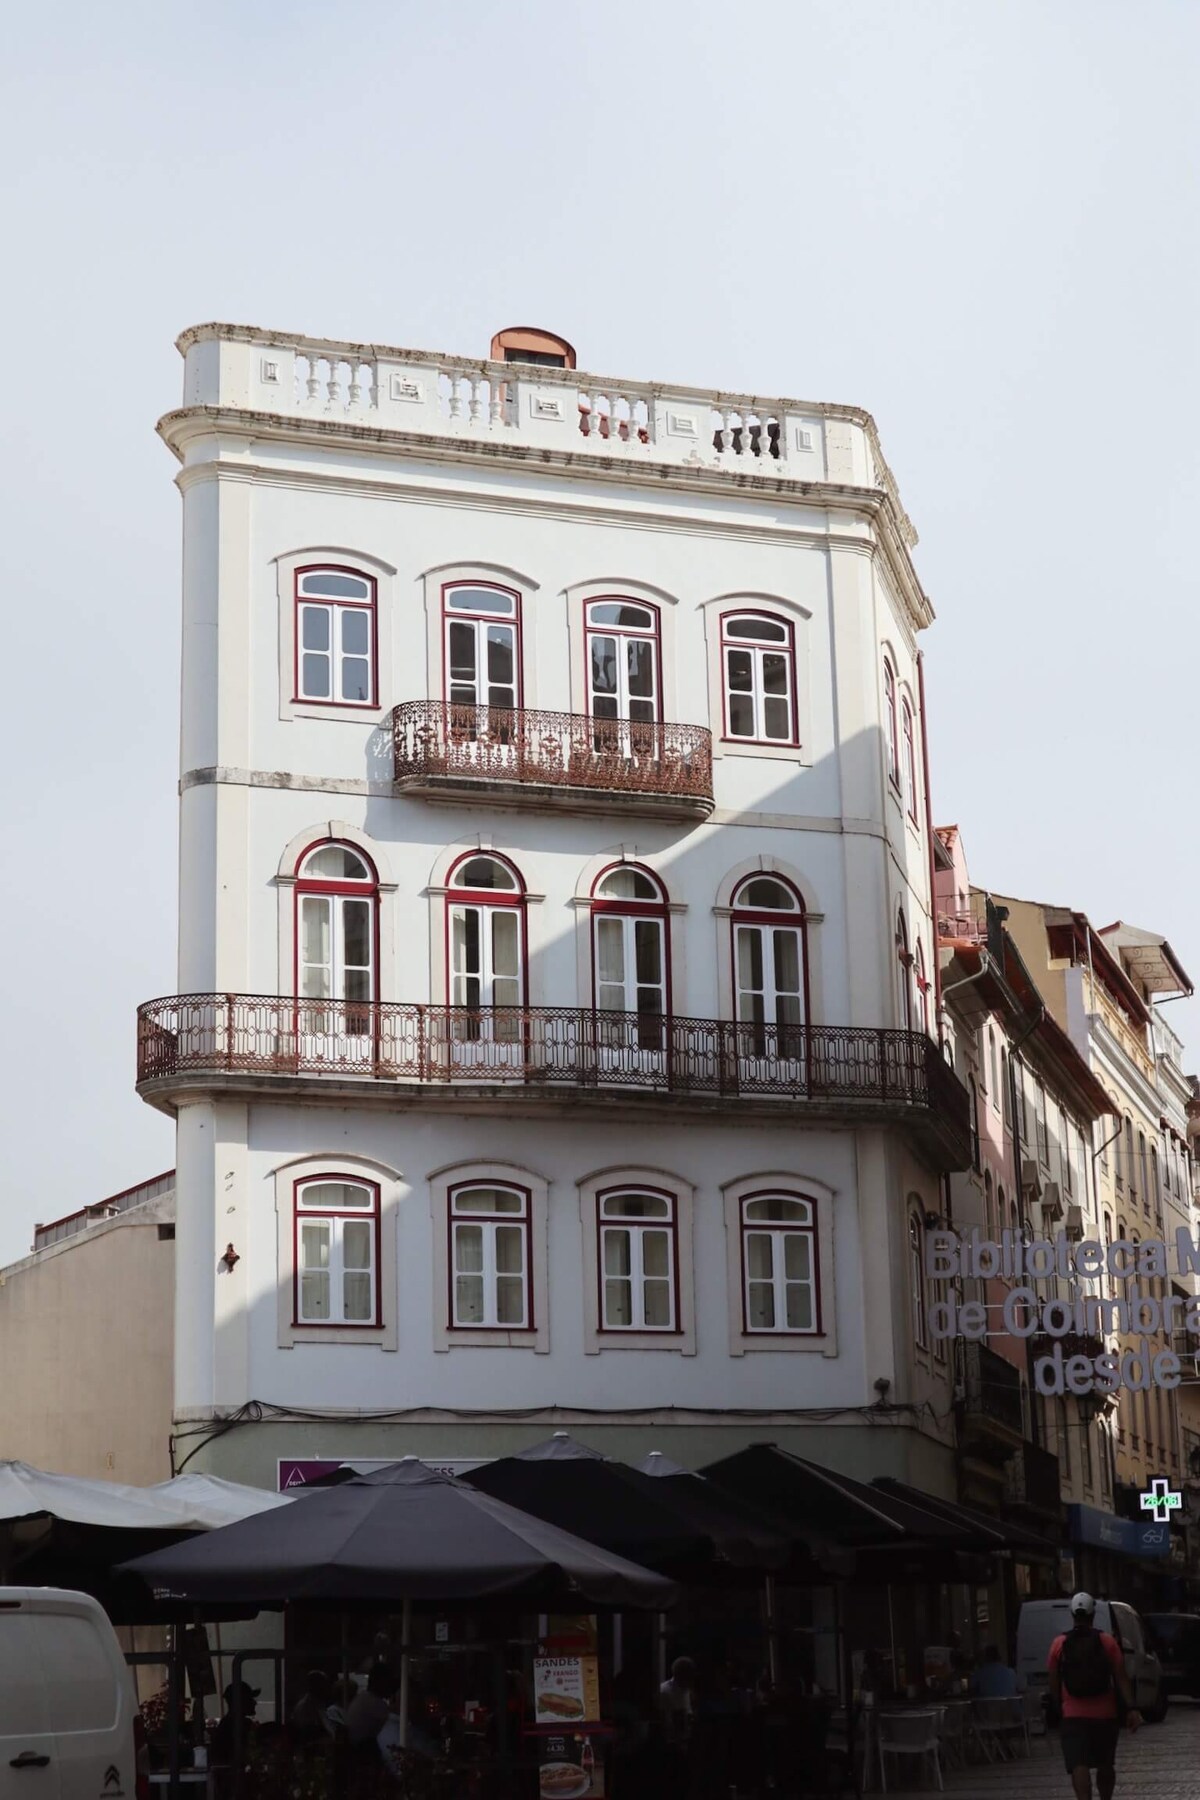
(552,759)
(1032,1481)
(992,1415)
(534,1054)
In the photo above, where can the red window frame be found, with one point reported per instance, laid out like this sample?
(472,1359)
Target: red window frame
(508,897)
(754,612)
(370,606)
(634,909)
(315,1212)
(918,1287)
(921,988)
(654,636)
(812,1231)
(328,884)
(671,1225)
(514,619)
(905,963)
(524,1219)
(749,915)
(892,723)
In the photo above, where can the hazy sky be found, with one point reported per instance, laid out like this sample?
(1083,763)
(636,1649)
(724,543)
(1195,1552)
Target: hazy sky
(977,218)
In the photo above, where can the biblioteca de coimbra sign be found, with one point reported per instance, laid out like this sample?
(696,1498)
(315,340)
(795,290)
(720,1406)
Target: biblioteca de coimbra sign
(1028,1313)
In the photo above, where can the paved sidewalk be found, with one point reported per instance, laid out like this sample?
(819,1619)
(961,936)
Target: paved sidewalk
(1160,1762)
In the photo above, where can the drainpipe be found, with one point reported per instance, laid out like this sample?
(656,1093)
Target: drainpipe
(937,974)
(1035,1435)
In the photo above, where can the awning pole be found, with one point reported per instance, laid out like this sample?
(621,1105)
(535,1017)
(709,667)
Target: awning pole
(892,1637)
(772,1637)
(405,1634)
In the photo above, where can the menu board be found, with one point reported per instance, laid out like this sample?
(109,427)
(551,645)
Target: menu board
(569,1768)
(566,1690)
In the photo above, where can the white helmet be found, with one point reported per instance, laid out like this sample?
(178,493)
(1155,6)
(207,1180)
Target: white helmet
(1082,1603)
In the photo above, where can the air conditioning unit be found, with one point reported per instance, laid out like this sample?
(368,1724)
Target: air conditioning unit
(1031,1178)
(1073,1223)
(1052,1200)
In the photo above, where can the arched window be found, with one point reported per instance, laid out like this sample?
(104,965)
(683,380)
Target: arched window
(1125,1167)
(1001,1212)
(891,722)
(337,1252)
(490,1261)
(639,1260)
(1005,1095)
(908,750)
(920,990)
(904,963)
(335,637)
(770,968)
(1155,1182)
(622,638)
(337,898)
(486,931)
(631,959)
(916,1277)
(779,1264)
(1143,1172)
(989,1216)
(758,658)
(993,1072)
(482,658)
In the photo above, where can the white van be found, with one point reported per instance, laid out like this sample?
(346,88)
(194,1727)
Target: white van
(1041,1621)
(67,1702)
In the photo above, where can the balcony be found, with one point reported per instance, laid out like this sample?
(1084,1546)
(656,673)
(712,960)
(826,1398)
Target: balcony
(1031,1480)
(530,1057)
(991,1410)
(550,759)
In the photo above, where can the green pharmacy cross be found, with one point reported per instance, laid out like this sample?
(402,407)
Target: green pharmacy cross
(1161,1500)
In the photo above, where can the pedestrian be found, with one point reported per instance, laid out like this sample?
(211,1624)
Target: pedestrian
(1089,1686)
(993,1679)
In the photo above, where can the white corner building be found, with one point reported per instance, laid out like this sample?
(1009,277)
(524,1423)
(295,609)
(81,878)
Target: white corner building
(556,964)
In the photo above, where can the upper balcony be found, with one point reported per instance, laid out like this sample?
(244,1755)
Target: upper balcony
(447,751)
(529,1057)
(312,384)
(992,1412)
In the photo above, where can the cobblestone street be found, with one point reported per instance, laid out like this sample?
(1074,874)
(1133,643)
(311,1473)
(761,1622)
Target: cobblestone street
(1161,1762)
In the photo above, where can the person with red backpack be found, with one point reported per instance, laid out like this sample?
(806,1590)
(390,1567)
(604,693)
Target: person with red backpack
(1089,1686)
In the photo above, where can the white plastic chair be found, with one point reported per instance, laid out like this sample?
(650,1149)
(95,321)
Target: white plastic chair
(999,1725)
(910,1734)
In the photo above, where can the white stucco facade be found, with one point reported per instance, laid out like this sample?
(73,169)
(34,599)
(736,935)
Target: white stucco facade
(299,456)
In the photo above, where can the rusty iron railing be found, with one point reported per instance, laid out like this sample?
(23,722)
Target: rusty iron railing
(552,1046)
(434,738)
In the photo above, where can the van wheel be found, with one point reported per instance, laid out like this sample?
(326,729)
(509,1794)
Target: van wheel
(1154,1715)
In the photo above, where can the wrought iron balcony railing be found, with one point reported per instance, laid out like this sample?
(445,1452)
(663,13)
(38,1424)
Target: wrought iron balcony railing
(823,1069)
(992,1389)
(442,746)
(1032,1479)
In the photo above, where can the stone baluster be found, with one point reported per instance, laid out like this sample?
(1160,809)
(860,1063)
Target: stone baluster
(312,385)
(334,384)
(495,416)
(355,385)
(475,387)
(455,396)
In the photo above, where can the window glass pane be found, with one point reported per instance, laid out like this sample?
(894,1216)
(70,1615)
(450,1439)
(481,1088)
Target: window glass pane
(767,631)
(510,1249)
(506,965)
(612,612)
(741,716)
(760,1306)
(617,1253)
(462,653)
(356,933)
(358,1237)
(640,656)
(797,1256)
(356,679)
(618,1303)
(799,1307)
(468,1299)
(739,665)
(771,895)
(316,983)
(487,1200)
(314,1296)
(468,1248)
(604,666)
(500,658)
(786,945)
(775,1207)
(336,1196)
(777,720)
(750,958)
(314,627)
(357,1298)
(628,884)
(510,1300)
(356,632)
(333,862)
(335,587)
(647,937)
(657,1298)
(635,1206)
(610,953)
(315,928)
(314,677)
(775,673)
(481,600)
(656,1253)
(758,1255)
(314,1244)
(484,872)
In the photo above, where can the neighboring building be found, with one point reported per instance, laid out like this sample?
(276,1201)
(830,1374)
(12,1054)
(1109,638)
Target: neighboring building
(556,953)
(1101,987)
(1035,1105)
(86,1334)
